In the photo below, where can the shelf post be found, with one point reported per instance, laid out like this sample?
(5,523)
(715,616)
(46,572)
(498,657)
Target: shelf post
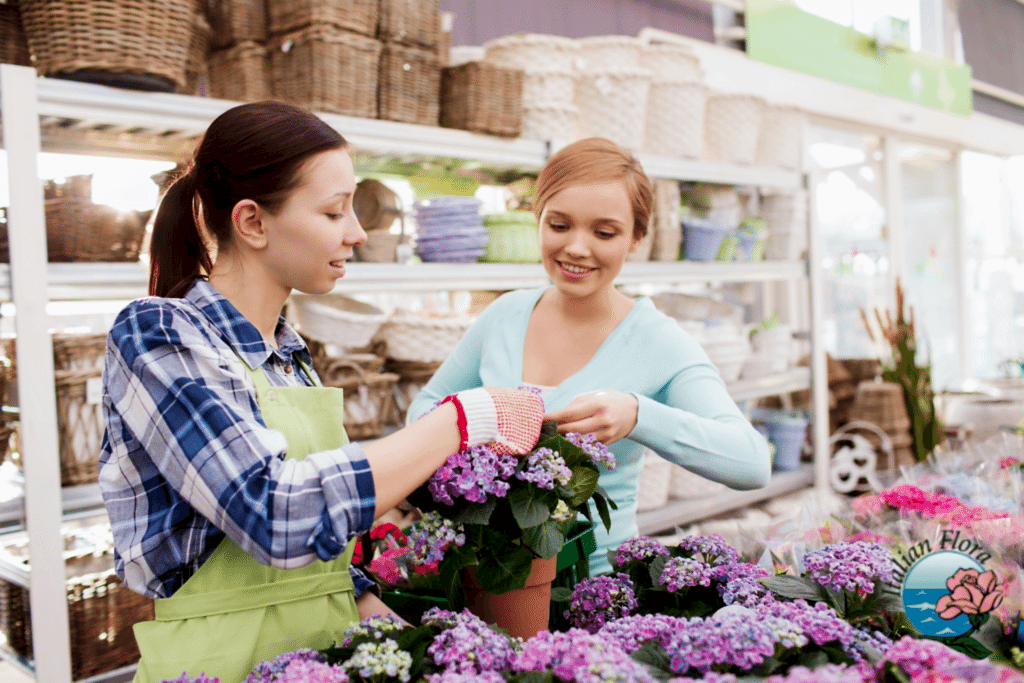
(51,642)
(819,367)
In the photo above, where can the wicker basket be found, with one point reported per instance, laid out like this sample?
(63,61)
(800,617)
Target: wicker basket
(199,45)
(101,611)
(781,142)
(732,127)
(368,397)
(239,21)
(78,230)
(334,319)
(133,43)
(409,85)
(608,53)
(412,377)
(512,238)
(613,105)
(669,63)
(666,230)
(410,22)
(13,45)
(326,69)
(675,119)
(482,98)
(359,16)
(533,52)
(240,73)
(548,88)
(380,246)
(418,338)
(554,123)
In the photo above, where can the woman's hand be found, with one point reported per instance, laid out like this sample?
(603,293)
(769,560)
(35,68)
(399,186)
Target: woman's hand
(607,414)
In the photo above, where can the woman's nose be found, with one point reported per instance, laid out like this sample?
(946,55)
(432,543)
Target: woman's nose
(354,233)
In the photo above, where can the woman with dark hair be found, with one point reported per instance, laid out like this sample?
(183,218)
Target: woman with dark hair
(231,487)
(605,363)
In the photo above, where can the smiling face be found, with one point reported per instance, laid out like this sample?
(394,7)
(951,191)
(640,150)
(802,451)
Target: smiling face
(586,232)
(312,235)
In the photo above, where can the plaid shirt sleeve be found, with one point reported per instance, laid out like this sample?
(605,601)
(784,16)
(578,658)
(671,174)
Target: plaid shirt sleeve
(186,457)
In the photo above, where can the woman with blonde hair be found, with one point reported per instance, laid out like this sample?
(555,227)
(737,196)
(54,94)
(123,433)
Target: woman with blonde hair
(605,363)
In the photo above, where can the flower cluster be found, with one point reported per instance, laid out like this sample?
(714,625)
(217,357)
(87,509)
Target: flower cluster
(917,656)
(944,507)
(377,661)
(712,548)
(467,645)
(741,586)
(683,572)
(432,536)
(854,567)
(375,627)
(597,451)
(577,656)
(639,548)
(600,599)
(286,667)
(731,637)
(818,622)
(472,474)
(631,632)
(545,468)
(453,676)
(185,678)
(829,673)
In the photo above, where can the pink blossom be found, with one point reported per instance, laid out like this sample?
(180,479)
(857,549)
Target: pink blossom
(970,593)
(868,504)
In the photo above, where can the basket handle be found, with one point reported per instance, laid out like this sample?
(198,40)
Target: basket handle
(335,364)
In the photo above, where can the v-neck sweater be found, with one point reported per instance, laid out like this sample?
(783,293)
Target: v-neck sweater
(685,414)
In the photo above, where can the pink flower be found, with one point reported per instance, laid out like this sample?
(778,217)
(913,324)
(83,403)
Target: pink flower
(970,593)
(1009,461)
(868,504)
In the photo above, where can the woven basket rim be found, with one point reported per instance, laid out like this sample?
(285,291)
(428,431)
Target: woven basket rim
(533,39)
(325,32)
(339,305)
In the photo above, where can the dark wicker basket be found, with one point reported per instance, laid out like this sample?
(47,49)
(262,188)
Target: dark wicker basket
(240,73)
(359,16)
(410,22)
(369,404)
(78,230)
(13,45)
(238,21)
(483,98)
(409,86)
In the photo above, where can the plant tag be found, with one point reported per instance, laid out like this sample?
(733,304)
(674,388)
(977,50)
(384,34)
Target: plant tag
(93,390)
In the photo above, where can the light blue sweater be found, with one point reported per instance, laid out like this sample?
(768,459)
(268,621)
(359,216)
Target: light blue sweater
(685,414)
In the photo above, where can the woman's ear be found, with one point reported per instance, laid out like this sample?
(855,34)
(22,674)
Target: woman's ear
(249,224)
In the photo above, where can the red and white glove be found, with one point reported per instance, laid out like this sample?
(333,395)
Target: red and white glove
(509,420)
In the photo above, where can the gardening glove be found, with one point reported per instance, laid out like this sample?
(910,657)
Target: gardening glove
(509,420)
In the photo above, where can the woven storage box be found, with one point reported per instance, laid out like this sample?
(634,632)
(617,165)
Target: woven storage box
(380,247)
(410,22)
(550,123)
(140,44)
(334,319)
(613,105)
(781,141)
(13,45)
(669,63)
(512,238)
(608,53)
(240,73)
(78,230)
(238,21)
(665,231)
(675,119)
(101,609)
(359,16)
(409,85)
(732,127)
(412,377)
(368,396)
(548,88)
(533,52)
(417,338)
(326,69)
(482,98)
(198,52)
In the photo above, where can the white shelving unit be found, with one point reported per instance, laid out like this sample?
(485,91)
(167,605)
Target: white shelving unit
(62,116)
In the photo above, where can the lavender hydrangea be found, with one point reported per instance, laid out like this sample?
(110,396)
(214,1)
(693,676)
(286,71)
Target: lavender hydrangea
(854,567)
(684,572)
(545,468)
(829,673)
(577,656)
(468,645)
(639,548)
(432,536)
(597,451)
(378,661)
(472,474)
(185,678)
(712,548)
(267,672)
(309,671)
(732,636)
(600,599)
(453,676)
(818,622)
(740,585)
(631,632)
(864,638)
(375,627)
(918,655)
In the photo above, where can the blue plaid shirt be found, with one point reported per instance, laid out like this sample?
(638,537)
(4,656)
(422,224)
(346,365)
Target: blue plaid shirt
(187,457)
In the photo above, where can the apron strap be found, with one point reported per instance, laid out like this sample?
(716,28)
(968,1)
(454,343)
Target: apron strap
(252,597)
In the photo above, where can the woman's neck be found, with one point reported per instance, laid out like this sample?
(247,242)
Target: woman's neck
(599,306)
(257,298)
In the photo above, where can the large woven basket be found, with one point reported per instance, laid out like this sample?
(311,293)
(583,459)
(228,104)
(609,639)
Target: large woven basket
(410,22)
(608,53)
(335,319)
(732,127)
(409,85)
(13,45)
(412,377)
(533,52)
(380,246)
(199,45)
(240,73)
(548,88)
(78,230)
(675,119)
(554,123)
(141,44)
(359,16)
(665,230)
(670,63)
(482,98)
(418,338)
(326,69)
(613,105)
(781,141)
(239,21)
(368,397)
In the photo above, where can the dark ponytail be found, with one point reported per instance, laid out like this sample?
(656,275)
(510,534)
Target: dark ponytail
(253,151)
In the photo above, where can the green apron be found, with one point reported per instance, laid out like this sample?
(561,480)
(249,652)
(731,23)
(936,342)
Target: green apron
(235,612)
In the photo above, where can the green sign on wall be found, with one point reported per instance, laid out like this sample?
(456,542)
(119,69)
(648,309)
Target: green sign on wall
(780,33)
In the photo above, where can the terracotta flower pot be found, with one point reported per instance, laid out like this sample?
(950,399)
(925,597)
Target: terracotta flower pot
(522,612)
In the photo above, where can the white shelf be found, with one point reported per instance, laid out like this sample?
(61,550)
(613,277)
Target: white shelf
(678,513)
(660,166)
(796,379)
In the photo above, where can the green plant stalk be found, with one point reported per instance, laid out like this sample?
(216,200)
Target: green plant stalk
(918,396)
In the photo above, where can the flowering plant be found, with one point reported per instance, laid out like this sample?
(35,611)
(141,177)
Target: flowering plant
(499,512)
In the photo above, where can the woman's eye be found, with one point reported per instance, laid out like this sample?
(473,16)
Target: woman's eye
(605,235)
(335,216)
(558,226)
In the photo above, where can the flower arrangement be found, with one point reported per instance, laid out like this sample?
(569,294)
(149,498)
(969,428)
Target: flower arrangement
(500,512)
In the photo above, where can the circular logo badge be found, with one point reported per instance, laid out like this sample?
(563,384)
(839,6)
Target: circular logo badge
(924,586)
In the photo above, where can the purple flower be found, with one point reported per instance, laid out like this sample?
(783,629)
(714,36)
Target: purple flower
(712,549)
(432,536)
(545,468)
(601,599)
(579,657)
(639,548)
(854,567)
(740,585)
(266,672)
(597,451)
(818,622)
(472,474)
(376,626)
(864,638)
(453,676)
(916,656)
(733,636)
(829,673)
(468,646)
(633,631)
(184,678)
(684,572)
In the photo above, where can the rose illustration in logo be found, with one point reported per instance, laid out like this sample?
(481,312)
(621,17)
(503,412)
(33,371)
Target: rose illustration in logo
(971,593)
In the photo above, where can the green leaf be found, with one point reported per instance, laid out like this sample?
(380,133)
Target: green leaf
(604,494)
(560,594)
(653,655)
(500,574)
(548,430)
(836,600)
(533,677)
(584,483)
(527,510)
(546,539)
(794,587)
(892,673)
(884,601)
(602,509)
(478,513)
(969,646)
(655,568)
